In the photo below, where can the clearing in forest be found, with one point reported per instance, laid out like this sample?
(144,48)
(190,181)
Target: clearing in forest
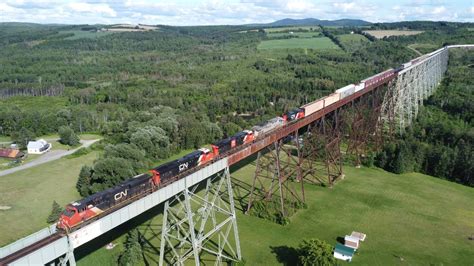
(294,28)
(379,34)
(298,43)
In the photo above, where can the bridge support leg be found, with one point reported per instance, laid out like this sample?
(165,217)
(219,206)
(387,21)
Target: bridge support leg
(201,225)
(278,179)
(326,136)
(69,258)
(363,122)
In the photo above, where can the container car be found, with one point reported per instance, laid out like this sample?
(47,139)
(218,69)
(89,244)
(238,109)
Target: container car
(346,91)
(313,107)
(332,98)
(293,115)
(267,126)
(359,87)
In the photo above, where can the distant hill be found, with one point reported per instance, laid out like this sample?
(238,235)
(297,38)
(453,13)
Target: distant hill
(314,21)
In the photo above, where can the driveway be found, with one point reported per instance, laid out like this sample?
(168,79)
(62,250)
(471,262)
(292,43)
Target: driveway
(48,157)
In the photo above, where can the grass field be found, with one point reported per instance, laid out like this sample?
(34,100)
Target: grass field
(414,217)
(423,48)
(353,41)
(379,34)
(31,192)
(299,34)
(32,103)
(298,43)
(287,29)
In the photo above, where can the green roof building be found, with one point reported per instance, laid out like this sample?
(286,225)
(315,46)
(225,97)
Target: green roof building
(343,252)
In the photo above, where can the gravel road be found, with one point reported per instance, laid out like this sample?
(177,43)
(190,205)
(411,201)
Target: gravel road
(48,157)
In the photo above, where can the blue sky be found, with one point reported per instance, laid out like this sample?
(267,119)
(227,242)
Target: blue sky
(212,12)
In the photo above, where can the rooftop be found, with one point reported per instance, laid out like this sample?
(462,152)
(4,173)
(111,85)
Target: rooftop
(344,250)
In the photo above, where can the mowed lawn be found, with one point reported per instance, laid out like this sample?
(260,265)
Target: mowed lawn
(30,194)
(298,43)
(410,219)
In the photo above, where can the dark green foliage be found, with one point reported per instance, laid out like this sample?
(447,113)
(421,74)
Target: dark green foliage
(55,213)
(67,136)
(315,252)
(22,137)
(133,252)
(84,181)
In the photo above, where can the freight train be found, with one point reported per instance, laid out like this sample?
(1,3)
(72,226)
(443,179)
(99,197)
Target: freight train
(76,213)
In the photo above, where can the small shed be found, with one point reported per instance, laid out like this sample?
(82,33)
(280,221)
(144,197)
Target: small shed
(360,236)
(351,241)
(343,252)
(11,153)
(38,147)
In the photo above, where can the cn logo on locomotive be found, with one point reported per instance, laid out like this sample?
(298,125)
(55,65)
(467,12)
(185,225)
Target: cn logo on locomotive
(183,166)
(121,194)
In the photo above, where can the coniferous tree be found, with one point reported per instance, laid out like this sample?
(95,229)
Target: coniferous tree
(55,212)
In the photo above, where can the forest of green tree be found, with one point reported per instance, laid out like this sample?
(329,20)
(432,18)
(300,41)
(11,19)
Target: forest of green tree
(152,94)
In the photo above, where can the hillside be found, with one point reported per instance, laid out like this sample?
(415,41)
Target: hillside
(314,21)
(411,217)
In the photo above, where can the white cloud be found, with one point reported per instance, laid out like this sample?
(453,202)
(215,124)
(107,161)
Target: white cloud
(439,10)
(102,9)
(204,12)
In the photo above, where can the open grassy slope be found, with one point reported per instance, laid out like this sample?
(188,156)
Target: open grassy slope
(309,43)
(412,217)
(31,192)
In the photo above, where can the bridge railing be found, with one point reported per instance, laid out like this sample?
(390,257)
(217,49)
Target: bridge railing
(26,241)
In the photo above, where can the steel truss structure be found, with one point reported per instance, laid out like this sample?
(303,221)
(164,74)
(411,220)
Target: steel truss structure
(199,225)
(362,127)
(283,168)
(412,86)
(278,175)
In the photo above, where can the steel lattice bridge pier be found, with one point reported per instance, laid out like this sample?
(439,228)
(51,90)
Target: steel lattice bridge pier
(199,211)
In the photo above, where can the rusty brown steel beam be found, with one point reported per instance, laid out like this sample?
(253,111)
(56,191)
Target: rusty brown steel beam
(278,134)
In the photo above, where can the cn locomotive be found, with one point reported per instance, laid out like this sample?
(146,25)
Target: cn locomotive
(76,213)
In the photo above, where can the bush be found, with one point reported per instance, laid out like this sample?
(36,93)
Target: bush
(315,252)
(67,136)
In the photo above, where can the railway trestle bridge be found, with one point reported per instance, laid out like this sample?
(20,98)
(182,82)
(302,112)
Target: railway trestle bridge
(305,151)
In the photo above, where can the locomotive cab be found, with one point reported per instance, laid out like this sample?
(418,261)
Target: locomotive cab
(69,217)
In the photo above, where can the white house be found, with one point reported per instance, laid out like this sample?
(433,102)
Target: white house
(38,147)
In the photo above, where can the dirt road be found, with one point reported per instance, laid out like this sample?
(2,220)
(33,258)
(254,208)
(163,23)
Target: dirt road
(48,157)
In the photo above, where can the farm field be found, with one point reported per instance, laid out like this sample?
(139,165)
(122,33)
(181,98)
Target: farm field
(379,34)
(353,41)
(294,28)
(299,34)
(399,213)
(30,194)
(298,43)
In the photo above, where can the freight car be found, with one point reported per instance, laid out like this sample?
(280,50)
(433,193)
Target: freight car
(346,91)
(268,126)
